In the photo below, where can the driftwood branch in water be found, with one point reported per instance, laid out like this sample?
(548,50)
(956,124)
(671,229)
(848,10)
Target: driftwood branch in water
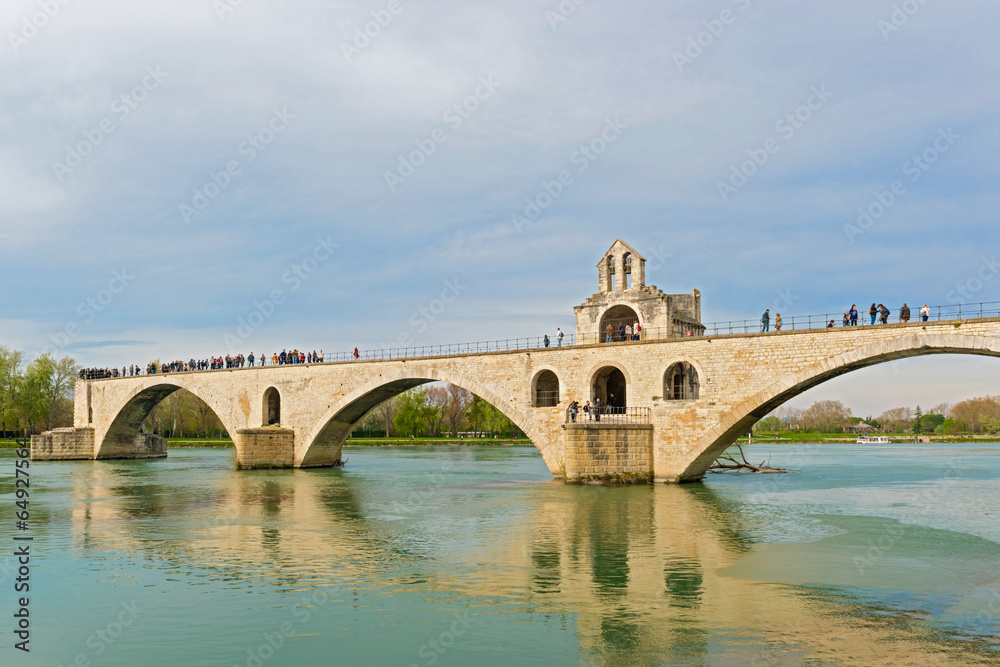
(727,463)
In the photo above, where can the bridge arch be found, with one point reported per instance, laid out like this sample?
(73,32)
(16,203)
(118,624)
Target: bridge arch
(741,419)
(119,440)
(619,314)
(609,377)
(683,380)
(271,408)
(322,445)
(546,391)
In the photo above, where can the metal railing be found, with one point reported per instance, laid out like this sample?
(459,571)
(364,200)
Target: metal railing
(614,415)
(988,309)
(968,311)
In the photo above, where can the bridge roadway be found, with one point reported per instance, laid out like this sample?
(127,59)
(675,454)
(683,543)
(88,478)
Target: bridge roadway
(740,378)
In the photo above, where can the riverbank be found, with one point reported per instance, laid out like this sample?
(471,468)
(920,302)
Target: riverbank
(437,442)
(373,442)
(792,438)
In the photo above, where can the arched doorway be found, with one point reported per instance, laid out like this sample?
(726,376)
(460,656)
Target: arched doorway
(272,407)
(680,382)
(546,390)
(611,387)
(622,321)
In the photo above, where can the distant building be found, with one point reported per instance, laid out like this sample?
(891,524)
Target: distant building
(623,298)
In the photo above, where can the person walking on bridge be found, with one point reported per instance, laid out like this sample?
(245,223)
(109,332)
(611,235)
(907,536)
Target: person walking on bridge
(904,313)
(873,311)
(765,321)
(777,321)
(559,337)
(925,313)
(854,314)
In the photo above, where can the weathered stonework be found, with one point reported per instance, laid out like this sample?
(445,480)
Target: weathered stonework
(595,450)
(266,447)
(742,377)
(624,297)
(63,444)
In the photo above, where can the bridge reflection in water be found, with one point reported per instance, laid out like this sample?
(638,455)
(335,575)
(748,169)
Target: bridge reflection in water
(633,574)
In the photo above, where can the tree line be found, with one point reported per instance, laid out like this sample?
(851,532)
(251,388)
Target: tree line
(37,396)
(977,416)
(436,411)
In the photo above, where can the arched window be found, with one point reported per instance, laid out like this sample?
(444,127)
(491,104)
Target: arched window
(611,273)
(622,320)
(627,278)
(611,387)
(272,406)
(680,383)
(546,394)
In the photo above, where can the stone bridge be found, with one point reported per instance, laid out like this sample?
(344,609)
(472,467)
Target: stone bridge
(699,393)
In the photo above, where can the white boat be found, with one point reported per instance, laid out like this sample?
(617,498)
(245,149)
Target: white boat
(874,440)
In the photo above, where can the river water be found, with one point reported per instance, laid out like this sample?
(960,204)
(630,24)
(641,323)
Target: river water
(884,555)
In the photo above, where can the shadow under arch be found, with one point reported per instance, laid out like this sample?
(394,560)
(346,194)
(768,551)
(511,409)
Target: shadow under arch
(322,445)
(120,439)
(741,418)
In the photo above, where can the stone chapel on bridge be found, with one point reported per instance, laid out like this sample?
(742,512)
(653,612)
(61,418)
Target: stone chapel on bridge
(624,298)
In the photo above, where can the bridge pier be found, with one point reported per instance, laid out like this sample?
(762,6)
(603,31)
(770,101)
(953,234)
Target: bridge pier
(78,444)
(63,444)
(265,447)
(609,452)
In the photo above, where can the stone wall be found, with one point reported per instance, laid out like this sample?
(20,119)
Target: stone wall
(593,450)
(265,447)
(63,444)
(741,378)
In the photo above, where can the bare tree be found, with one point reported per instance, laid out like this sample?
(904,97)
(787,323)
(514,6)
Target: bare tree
(459,400)
(897,420)
(438,398)
(789,416)
(826,416)
(978,415)
(387,413)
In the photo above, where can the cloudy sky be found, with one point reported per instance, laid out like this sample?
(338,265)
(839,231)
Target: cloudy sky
(169,168)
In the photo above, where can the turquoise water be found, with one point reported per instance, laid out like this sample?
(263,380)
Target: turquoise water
(473,555)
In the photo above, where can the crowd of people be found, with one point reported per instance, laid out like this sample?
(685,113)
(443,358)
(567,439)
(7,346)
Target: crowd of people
(210,364)
(878,312)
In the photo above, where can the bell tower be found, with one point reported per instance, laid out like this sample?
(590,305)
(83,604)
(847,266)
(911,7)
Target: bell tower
(623,300)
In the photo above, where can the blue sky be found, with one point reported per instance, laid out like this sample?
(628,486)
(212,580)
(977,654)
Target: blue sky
(286,120)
